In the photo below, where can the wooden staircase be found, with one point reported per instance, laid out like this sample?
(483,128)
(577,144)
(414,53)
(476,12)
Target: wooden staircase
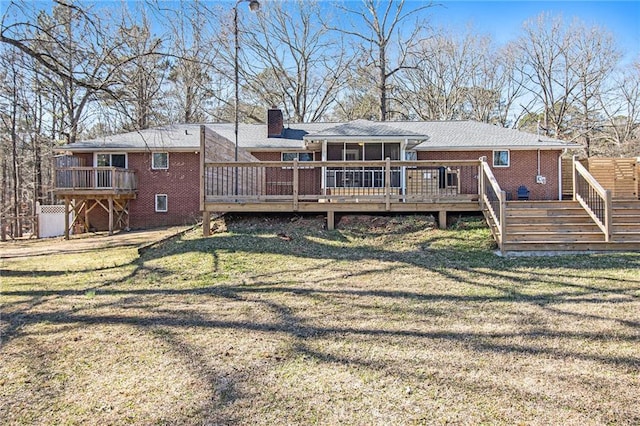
(566,226)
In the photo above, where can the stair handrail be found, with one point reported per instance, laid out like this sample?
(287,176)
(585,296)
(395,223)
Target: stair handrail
(492,199)
(596,200)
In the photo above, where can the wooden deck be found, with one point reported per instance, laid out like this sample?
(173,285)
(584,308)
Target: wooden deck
(84,189)
(341,187)
(536,226)
(94,181)
(592,221)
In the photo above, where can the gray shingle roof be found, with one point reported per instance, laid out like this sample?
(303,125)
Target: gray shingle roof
(464,135)
(364,128)
(254,136)
(177,137)
(424,135)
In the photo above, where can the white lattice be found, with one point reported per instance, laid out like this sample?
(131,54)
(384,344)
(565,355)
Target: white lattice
(52,209)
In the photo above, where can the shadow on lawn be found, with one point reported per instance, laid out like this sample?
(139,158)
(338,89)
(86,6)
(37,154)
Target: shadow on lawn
(462,263)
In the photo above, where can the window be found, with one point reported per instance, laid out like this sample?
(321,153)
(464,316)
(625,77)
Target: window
(410,155)
(161,202)
(160,160)
(501,159)
(300,156)
(111,160)
(103,177)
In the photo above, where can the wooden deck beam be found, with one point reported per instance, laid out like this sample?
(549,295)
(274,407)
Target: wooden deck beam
(343,207)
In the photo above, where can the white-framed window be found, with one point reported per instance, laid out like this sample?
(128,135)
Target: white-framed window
(160,160)
(300,156)
(161,203)
(501,159)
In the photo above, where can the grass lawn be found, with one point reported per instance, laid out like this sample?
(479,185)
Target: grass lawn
(277,321)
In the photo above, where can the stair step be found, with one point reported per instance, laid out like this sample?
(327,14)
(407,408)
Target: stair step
(634,211)
(549,220)
(544,204)
(617,218)
(626,227)
(555,237)
(566,226)
(553,228)
(537,246)
(627,204)
(572,212)
(630,237)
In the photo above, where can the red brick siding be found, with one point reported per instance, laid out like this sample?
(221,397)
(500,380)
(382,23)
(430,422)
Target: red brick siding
(310,179)
(180,182)
(521,171)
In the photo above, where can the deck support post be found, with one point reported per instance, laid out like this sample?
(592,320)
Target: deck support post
(66,218)
(442,219)
(573,176)
(296,184)
(86,216)
(331,220)
(387,184)
(481,188)
(608,215)
(206,223)
(110,215)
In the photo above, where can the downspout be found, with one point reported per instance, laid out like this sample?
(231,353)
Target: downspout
(564,151)
(323,177)
(403,170)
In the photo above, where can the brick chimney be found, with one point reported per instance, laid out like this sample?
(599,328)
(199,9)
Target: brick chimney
(275,122)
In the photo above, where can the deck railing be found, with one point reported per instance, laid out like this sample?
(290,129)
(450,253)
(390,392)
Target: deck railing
(95,178)
(358,181)
(596,200)
(493,201)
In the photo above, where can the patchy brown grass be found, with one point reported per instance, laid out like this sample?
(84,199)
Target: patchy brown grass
(278,321)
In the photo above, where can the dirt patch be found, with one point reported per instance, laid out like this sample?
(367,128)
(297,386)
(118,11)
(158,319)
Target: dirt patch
(386,224)
(285,223)
(85,242)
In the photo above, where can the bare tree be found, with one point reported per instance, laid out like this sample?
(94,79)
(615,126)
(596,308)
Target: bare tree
(441,76)
(593,56)
(544,49)
(138,83)
(293,60)
(383,21)
(192,58)
(77,48)
(359,99)
(621,108)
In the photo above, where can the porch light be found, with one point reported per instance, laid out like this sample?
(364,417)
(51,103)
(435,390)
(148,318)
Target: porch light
(254,5)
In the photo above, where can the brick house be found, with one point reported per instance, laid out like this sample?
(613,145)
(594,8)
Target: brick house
(167,176)
(133,180)
(516,158)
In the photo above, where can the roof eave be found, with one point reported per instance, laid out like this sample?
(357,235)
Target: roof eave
(493,147)
(362,138)
(90,149)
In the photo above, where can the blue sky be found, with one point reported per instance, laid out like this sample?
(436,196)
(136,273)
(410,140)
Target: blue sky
(503,19)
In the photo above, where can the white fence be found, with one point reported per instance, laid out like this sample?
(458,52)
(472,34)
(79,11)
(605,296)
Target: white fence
(51,220)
